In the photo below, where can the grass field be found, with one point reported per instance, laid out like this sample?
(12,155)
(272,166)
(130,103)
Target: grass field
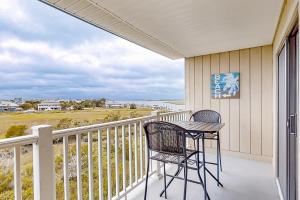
(52,118)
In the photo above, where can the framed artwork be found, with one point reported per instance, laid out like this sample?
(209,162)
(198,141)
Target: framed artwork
(225,85)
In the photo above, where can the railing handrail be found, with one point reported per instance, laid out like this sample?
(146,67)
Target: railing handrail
(18,141)
(175,112)
(29,139)
(95,127)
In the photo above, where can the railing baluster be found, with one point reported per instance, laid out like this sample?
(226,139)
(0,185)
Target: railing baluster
(100,174)
(108,165)
(90,165)
(124,159)
(17,173)
(135,153)
(141,149)
(78,158)
(117,162)
(130,155)
(66,167)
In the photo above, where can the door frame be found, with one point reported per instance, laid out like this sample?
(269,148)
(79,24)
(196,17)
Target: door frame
(294,32)
(285,44)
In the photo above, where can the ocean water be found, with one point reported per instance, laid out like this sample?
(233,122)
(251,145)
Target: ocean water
(162,104)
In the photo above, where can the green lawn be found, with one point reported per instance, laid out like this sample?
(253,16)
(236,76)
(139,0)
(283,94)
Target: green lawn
(88,116)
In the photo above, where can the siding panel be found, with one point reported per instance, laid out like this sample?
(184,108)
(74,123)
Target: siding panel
(267,102)
(187,82)
(245,101)
(234,60)
(255,73)
(224,105)
(192,83)
(215,69)
(248,120)
(198,83)
(206,86)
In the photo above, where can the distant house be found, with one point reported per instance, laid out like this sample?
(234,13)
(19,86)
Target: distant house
(49,105)
(8,106)
(113,104)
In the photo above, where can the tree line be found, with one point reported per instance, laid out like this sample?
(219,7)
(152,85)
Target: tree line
(75,105)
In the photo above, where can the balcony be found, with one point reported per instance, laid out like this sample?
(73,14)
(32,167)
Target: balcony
(242,179)
(120,172)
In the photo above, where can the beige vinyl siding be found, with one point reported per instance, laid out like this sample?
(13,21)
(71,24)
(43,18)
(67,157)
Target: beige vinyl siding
(215,69)
(234,105)
(248,120)
(206,82)
(267,97)
(255,88)
(187,83)
(245,100)
(224,104)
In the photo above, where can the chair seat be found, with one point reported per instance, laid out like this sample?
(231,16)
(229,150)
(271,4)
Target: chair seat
(173,158)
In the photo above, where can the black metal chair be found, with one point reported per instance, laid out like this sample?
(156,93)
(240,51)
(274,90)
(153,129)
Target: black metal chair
(210,116)
(167,144)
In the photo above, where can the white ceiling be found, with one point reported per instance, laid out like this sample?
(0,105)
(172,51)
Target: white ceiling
(182,28)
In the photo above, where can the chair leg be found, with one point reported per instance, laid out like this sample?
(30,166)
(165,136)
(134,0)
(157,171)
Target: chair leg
(146,182)
(171,180)
(198,169)
(165,181)
(204,168)
(218,161)
(185,180)
(219,152)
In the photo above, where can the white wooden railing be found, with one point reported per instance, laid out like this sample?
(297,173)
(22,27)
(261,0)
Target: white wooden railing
(118,133)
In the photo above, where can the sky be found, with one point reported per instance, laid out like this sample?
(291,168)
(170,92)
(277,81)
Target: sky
(47,54)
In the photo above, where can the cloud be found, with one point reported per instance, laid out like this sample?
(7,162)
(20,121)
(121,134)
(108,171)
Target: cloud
(42,66)
(16,14)
(114,69)
(12,11)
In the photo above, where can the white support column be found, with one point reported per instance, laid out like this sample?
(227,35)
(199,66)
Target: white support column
(158,168)
(43,163)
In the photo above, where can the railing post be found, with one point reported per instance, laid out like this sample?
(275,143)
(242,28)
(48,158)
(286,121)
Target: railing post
(189,115)
(158,164)
(190,142)
(43,164)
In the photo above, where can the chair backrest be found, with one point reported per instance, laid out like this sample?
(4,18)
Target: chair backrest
(209,116)
(166,137)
